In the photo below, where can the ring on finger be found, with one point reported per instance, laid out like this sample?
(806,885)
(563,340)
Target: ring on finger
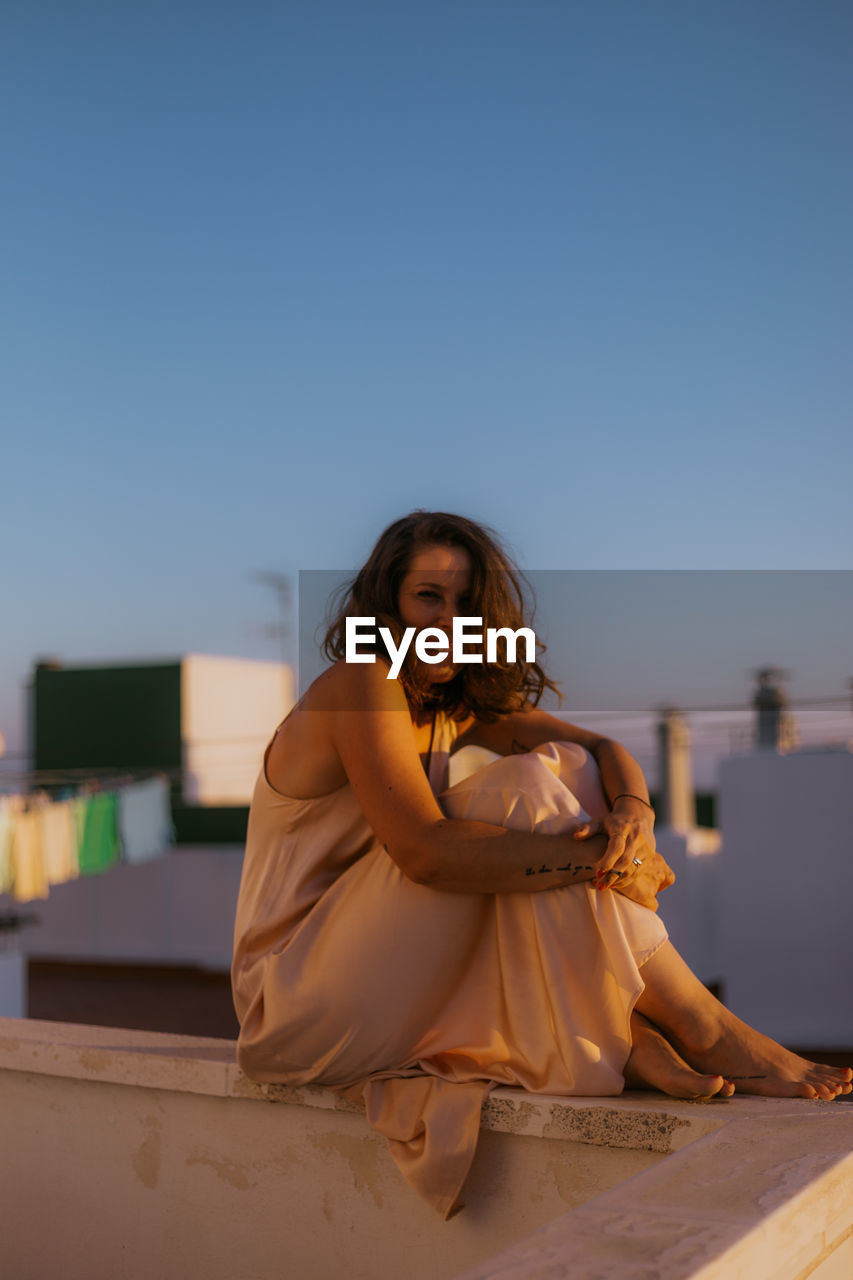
(638,862)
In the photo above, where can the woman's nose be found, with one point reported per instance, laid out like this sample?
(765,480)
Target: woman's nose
(447,609)
(446,614)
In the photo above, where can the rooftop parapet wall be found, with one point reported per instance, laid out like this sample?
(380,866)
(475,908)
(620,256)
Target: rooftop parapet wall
(140,1154)
(785,938)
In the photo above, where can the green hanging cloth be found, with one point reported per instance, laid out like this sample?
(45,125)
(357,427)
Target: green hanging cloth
(97,832)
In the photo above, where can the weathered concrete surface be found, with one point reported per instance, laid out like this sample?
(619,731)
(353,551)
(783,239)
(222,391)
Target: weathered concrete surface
(139,1154)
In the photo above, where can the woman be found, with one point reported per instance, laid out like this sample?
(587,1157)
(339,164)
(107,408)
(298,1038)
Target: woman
(414,954)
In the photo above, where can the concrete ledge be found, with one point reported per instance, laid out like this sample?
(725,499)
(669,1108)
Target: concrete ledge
(740,1189)
(767,1196)
(117,1056)
(195,1064)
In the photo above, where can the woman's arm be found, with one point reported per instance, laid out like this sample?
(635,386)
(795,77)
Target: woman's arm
(368,721)
(630,823)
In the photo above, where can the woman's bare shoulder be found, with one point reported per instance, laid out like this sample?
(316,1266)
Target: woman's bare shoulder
(348,686)
(304,761)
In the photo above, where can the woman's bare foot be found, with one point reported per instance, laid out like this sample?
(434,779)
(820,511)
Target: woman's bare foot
(654,1064)
(711,1038)
(759,1065)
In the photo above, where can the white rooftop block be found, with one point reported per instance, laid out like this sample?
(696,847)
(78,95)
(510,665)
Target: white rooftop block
(229,709)
(785,895)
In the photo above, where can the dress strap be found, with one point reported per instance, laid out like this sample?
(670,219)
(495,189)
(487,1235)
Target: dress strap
(428,760)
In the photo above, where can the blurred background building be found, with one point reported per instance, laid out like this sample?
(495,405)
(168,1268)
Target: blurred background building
(759,909)
(147,945)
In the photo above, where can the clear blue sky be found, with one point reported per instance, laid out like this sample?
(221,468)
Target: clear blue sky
(275,273)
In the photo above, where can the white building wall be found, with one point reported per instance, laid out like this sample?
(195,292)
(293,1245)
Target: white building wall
(178,909)
(690,908)
(229,709)
(785,893)
(13,982)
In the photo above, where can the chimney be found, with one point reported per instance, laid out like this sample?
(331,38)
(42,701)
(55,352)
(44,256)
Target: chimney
(676,807)
(775,727)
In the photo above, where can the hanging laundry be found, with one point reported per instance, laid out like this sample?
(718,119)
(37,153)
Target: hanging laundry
(95,819)
(48,841)
(144,819)
(79,809)
(9,807)
(28,869)
(59,842)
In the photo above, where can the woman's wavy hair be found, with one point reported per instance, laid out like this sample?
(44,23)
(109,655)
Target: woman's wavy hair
(488,690)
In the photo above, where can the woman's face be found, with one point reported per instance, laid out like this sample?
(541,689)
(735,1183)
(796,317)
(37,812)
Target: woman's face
(435,589)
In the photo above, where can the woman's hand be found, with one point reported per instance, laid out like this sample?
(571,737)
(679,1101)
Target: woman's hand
(630,827)
(631,863)
(647,881)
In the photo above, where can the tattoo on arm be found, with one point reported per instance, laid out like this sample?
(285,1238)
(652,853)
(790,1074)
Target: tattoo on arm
(572,867)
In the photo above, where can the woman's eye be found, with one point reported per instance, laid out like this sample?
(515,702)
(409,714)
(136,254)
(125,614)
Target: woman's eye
(426,594)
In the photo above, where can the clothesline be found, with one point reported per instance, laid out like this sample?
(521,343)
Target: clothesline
(46,841)
(118,773)
(169,744)
(91,777)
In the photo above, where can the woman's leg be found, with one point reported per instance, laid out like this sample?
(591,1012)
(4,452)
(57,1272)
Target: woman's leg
(654,1064)
(711,1038)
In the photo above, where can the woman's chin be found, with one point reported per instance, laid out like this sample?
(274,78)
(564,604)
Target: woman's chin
(441,674)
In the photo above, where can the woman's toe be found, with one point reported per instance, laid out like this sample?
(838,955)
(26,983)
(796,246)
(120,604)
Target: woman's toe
(709,1087)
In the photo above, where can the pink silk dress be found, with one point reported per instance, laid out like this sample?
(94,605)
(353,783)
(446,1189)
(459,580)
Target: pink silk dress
(420,1001)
